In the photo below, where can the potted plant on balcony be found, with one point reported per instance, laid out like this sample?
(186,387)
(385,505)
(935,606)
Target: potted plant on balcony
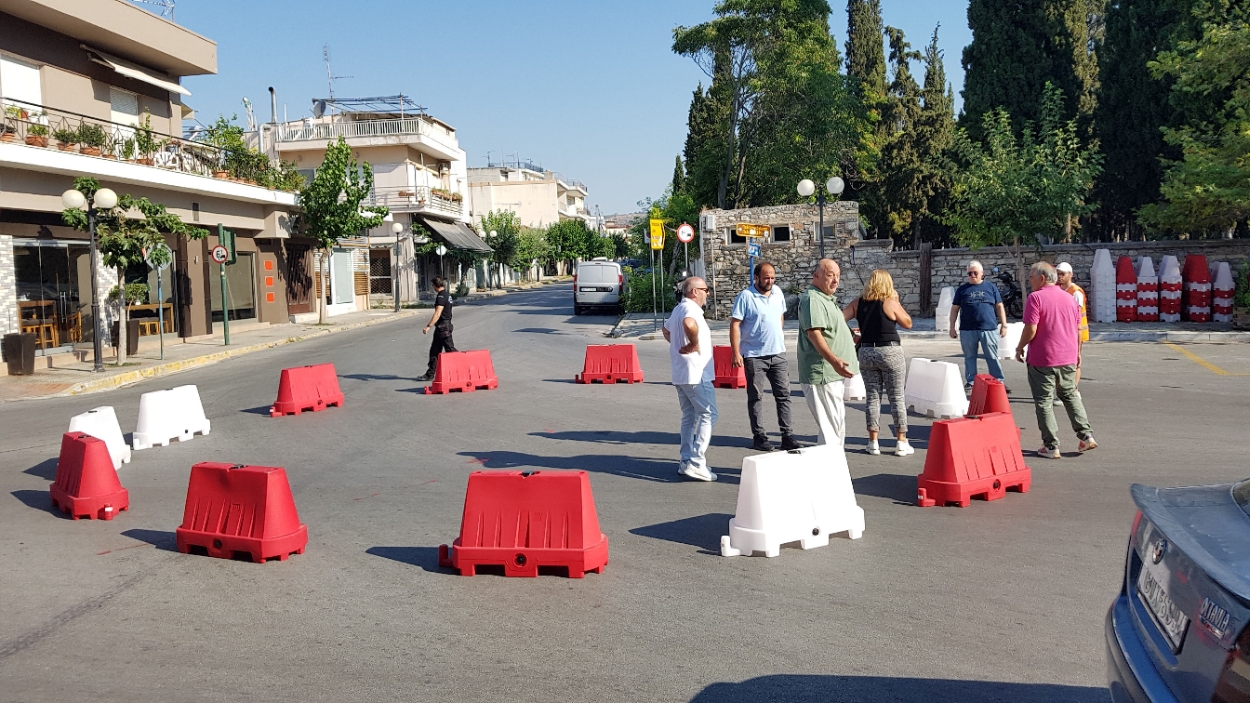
(146,141)
(91,138)
(66,139)
(37,135)
(8,132)
(127,149)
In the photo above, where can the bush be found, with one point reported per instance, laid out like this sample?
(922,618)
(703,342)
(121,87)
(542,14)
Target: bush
(638,291)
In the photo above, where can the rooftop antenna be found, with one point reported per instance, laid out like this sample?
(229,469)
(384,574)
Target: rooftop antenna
(167,6)
(251,119)
(330,77)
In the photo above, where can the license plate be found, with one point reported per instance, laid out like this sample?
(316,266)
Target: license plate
(594,289)
(1169,618)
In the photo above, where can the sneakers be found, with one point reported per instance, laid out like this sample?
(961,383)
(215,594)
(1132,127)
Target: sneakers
(1087,444)
(874,448)
(903,448)
(426,377)
(761,444)
(1048,453)
(789,443)
(968,387)
(698,474)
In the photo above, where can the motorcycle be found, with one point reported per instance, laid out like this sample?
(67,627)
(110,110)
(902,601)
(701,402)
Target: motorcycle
(1012,299)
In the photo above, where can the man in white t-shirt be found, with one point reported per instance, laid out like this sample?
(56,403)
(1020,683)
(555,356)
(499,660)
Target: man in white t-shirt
(690,352)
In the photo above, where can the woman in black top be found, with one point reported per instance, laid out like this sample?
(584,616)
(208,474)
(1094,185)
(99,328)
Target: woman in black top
(881,359)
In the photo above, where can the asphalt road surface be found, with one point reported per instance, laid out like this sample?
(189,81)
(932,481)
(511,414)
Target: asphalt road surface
(1001,601)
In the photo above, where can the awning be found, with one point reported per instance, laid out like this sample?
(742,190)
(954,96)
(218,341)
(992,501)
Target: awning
(135,71)
(456,235)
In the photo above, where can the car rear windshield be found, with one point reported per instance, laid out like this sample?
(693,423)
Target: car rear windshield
(1241,494)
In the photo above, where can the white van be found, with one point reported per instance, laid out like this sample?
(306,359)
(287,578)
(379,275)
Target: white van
(598,283)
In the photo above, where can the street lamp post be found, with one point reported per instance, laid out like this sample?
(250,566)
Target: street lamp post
(398,229)
(835,187)
(106,199)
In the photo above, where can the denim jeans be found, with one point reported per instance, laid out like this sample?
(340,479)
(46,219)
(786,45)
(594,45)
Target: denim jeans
(773,371)
(1047,383)
(698,414)
(987,340)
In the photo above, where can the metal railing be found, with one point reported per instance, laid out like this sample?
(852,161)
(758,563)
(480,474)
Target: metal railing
(49,128)
(415,198)
(401,126)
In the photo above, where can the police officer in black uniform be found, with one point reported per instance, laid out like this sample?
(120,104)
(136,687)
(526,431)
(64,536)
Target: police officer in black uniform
(441,322)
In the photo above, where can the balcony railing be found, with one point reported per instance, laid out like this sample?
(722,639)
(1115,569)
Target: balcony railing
(44,127)
(397,127)
(415,199)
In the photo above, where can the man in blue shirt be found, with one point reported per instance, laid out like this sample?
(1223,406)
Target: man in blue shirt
(982,320)
(756,338)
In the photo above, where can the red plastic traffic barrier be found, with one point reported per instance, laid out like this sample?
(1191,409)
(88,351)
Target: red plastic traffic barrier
(527,520)
(311,388)
(86,484)
(235,508)
(989,395)
(1125,290)
(463,371)
(611,363)
(726,375)
(972,457)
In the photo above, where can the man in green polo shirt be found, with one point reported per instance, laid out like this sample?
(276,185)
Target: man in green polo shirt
(826,352)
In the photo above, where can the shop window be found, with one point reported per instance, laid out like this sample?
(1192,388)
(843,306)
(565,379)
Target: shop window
(781,233)
(240,288)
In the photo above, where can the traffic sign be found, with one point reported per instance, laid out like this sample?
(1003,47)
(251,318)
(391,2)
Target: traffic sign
(753,247)
(750,231)
(685,234)
(657,234)
(158,256)
(220,254)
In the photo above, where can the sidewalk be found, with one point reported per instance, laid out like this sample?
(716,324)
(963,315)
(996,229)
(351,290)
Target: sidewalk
(76,378)
(639,325)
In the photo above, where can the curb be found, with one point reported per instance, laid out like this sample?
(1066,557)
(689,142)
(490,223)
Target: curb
(172,367)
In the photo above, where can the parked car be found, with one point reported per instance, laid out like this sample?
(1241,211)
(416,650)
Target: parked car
(598,283)
(1177,631)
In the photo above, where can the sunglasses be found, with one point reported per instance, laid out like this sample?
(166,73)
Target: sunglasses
(974,273)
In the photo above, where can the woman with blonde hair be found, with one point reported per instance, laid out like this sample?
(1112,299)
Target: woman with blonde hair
(881,359)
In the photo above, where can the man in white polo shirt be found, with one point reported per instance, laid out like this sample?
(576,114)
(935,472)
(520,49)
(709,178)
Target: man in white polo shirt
(690,353)
(758,344)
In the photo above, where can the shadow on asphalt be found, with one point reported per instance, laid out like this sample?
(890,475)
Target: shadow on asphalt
(39,500)
(640,437)
(899,488)
(539,330)
(45,469)
(658,470)
(424,557)
(161,539)
(702,531)
(376,377)
(795,688)
(258,410)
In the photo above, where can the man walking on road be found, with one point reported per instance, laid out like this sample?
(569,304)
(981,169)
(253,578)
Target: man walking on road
(757,341)
(441,322)
(982,321)
(690,353)
(1051,322)
(826,352)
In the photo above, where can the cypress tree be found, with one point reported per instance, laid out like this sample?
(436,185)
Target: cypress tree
(705,147)
(902,195)
(935,133)
(865,51)
(866,71)
(679,178)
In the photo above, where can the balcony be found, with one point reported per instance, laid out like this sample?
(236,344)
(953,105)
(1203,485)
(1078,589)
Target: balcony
(417,199)
(419,131)
(39,138)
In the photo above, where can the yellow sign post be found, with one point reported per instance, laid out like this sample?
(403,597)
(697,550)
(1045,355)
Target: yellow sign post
(657,234)
(750,231)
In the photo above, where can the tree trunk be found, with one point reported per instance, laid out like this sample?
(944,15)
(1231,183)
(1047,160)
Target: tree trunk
(121,325)
(1022,279)
(322,312)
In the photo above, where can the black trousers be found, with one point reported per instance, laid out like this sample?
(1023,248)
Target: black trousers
(442,342)
(770,370)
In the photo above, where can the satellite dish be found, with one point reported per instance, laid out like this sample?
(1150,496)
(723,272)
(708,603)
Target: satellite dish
(319,108)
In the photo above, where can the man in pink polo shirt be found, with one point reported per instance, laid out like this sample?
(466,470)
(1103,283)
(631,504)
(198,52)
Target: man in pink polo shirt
(1052,320)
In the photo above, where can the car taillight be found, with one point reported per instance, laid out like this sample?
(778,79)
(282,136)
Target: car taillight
(1234,683)
(620,280)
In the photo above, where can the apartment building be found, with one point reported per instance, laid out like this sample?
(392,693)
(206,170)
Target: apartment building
(538,197)
(78,79)
(419,174)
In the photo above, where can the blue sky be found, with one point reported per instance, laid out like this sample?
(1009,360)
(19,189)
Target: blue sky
(590,89)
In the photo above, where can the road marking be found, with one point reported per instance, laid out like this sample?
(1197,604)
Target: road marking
(1202,362)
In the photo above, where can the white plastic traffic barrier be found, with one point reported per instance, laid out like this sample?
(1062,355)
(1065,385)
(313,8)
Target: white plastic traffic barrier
(1223,290)
(803,496)
(1102,278)
(935,389)
(853,388)
(1007,345)
(1170,283)
(102,424)
(168,415)
(1147,290)
(942,316)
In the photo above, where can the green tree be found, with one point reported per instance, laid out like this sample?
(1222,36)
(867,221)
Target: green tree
(1209,188)
(1017,191)
(331,205)
(866,73)
(507,228)
(706,146)
(935,133)
(865,50)
(1019,47)
(902,194)
(532,247)
(123,239)
(679,177)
